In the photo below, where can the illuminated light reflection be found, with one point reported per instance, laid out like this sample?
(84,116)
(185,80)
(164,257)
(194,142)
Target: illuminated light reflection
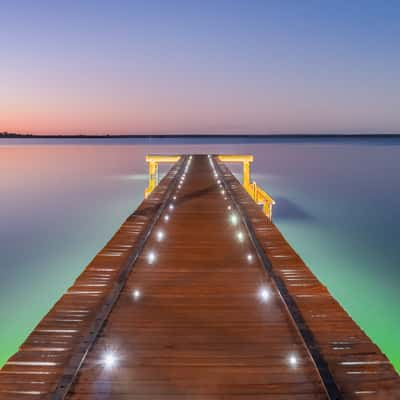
(234,218)
(109,360)
(151,257)
(229,207)
(222,191)
(171,206)
(249,257)
(240,236)
(293,361)
(264,294)
(166,217)
(160,235)
(136,294)
(174,198)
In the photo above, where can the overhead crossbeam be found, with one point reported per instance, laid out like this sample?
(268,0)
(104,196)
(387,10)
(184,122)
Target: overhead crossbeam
(245,160)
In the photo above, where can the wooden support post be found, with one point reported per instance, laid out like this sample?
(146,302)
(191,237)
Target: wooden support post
(246,175)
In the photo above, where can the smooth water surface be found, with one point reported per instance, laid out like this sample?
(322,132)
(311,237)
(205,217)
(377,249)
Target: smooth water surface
(337,204)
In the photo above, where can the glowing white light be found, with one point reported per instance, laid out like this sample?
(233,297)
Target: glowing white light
(240,236)
(219,182)
(171,206)
(234,218)
(174,198)
(160,235)
(264,294)
(151,257)
(222,191)
(190,157)
(292,360)
(179,186)
(229,207)
(109,359)
(166,217)
(249,257)
(209,156)
(136,294)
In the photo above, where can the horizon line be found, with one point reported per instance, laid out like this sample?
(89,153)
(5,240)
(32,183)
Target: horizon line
(10,135)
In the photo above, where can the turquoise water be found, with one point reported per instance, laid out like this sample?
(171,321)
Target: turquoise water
(337,204)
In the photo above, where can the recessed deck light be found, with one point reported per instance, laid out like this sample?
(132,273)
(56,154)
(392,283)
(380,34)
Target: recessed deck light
(109,360)
(293,360)
(264,294)
(151,257)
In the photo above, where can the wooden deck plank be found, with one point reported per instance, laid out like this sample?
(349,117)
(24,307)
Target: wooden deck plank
(200,300)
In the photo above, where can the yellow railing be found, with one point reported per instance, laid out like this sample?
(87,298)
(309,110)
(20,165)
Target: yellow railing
(153,161)
(262,198)
(240,158)
(257,194)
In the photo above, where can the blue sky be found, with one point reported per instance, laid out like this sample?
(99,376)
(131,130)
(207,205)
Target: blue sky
(200,66)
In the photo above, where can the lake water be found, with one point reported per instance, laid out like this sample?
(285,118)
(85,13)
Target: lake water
(337,204)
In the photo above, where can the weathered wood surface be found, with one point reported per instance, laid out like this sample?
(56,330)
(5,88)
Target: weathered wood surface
(358,367)
(199,316)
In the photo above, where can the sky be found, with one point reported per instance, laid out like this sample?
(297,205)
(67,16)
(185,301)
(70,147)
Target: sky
(169,66)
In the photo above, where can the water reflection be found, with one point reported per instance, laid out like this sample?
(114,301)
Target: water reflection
(287,209)
(337,203)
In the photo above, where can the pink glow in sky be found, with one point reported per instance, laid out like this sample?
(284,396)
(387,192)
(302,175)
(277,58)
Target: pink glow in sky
(131,67)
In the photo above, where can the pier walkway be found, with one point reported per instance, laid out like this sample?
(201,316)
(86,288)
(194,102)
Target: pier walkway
(198,296)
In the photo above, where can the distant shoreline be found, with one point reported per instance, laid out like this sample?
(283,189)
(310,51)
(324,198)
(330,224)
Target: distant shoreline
(6,135)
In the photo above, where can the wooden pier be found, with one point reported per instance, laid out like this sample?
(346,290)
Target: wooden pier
(198,296)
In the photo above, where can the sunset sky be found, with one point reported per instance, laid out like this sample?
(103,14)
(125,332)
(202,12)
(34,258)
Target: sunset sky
(169,66)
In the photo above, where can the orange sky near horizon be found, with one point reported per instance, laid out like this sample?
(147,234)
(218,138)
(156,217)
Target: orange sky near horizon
(132,67)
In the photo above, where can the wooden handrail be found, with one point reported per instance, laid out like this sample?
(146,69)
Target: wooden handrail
(261,197)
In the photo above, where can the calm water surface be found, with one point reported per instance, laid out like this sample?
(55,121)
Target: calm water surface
(337,204)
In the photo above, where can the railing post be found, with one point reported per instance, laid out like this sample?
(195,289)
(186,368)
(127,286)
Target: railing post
(153,177)
(246,174)
(267,208)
